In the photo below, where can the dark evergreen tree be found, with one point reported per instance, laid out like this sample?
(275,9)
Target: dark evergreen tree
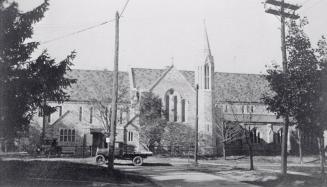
(26,83)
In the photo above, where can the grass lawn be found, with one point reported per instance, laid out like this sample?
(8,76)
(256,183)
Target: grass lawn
(63,173)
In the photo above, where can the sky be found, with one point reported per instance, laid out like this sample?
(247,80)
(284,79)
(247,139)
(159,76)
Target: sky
(159,33)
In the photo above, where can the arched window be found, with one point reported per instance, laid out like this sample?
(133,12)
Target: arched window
(80,113)
(175,108)
(91,114)
(183,110)
(259,140)
(206,77)
(167,106)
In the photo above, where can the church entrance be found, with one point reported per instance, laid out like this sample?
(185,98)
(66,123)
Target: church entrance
(98,141)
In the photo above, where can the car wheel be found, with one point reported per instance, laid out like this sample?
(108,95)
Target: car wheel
(100,160)
(137,161)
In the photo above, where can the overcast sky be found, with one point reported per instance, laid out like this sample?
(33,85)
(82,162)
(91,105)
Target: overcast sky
(157,33)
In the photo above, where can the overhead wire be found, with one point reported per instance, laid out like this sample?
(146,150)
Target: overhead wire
(77,32)
(87,28)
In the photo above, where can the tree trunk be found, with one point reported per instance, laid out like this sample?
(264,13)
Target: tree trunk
(322,155)
(250,153)
(300,146)
(224,150)
(284,147)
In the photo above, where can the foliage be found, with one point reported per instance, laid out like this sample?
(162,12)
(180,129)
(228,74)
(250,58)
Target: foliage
(297,92)
(25,84)
(178,134)
(151,122)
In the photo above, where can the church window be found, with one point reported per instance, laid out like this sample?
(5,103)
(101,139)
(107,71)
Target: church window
(73,135)
(160,103)
(67,135)
(206,76)
(130,136)
(175,108)
(49,118)
(60,110)
(255,136)
(80,113)
(121,116)
(91,114)
(167,107)
(183,110)
(61,136)
(259,140)
(242,108)
(252,109)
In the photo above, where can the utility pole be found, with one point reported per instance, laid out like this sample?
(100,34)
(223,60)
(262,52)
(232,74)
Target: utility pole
(283,10)
(114,100)
(196,125)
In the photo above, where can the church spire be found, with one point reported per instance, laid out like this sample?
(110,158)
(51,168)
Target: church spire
(207,40)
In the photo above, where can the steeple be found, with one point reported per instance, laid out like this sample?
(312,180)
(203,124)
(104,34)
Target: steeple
(209,57)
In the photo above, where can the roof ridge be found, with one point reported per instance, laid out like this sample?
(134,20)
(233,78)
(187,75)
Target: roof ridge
(61,117)
(161,77)
(97,70)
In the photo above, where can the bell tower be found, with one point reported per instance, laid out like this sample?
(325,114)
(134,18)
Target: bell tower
(204,77)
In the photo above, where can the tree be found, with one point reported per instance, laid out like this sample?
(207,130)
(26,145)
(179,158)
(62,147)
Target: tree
(26,83)
(297,92)
(236,129)
(321,101)
(178,135)
(227,132)
(151,121)
(103,110)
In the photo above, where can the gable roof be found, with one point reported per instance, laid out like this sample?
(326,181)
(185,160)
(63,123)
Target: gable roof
(144,78)
(238,87)
(95,84)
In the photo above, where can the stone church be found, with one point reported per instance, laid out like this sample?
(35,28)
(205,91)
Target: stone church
(222,98)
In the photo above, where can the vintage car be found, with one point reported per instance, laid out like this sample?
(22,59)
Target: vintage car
(124,152)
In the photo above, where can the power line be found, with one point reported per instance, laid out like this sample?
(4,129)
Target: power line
(77,32)
(122,12)
(86,29)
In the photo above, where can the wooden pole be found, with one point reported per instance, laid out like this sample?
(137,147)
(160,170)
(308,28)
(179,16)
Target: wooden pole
(196,125)
(283,14)
(111,156)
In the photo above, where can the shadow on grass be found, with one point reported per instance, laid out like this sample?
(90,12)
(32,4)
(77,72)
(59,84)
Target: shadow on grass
(290,181)
(28,171)
(145,164)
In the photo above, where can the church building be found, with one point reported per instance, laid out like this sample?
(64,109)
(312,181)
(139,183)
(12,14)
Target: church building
(222,98)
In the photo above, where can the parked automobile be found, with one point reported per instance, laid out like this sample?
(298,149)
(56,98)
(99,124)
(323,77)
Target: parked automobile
(124,152)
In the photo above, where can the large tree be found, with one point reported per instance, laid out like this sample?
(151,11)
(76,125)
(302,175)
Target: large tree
(297,92)
(151,121)
(26,83)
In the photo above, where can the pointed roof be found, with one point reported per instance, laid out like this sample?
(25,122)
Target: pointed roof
(207,40)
